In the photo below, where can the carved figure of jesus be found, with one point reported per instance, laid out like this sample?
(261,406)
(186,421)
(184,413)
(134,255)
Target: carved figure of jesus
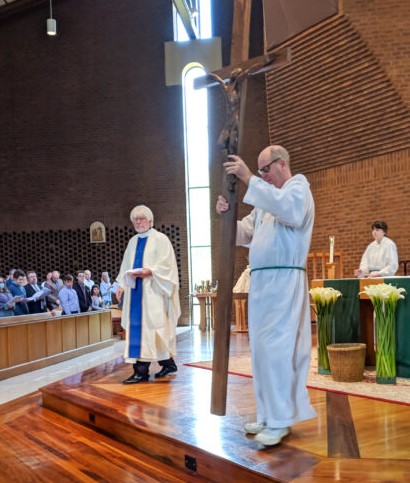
(228,139)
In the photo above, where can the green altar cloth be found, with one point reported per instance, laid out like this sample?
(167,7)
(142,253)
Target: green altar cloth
(347,310)
(402,327)
(347,317)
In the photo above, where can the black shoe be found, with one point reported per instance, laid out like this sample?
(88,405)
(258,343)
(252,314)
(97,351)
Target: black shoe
(135,378)
(169,369)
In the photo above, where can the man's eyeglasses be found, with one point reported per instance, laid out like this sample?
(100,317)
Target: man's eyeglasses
(266,168)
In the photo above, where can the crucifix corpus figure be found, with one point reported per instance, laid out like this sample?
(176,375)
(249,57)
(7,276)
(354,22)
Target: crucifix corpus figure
(228,139)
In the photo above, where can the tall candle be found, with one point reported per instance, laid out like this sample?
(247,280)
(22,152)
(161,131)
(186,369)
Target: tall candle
(332,248)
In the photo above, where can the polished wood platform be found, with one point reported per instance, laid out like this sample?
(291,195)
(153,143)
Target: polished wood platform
(100,430)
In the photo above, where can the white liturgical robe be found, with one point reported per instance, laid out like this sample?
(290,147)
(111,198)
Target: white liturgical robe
(380,257)
(160,296)
(279,231)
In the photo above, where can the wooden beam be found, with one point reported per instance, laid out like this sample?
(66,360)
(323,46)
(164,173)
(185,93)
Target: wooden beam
(239,53)
(256,65)
(240,31)
(341,433)
(226,264)
(186,18)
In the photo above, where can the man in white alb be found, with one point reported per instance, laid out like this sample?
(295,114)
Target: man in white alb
(279,230)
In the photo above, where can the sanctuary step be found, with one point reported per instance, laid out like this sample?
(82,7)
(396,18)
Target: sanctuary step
(160,419)
(169,420)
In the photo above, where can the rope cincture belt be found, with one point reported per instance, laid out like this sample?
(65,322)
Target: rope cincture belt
(275,267)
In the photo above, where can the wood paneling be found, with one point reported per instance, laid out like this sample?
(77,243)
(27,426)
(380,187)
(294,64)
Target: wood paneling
(106,325)
(82,330)
(54,339)
(94,328)
(69,334)
(4,353)
(37,340)
(18,345)
(34,341)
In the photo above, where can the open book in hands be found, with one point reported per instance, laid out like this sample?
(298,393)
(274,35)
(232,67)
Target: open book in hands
(15,299)
(39,295)
(130,277)
(134,272)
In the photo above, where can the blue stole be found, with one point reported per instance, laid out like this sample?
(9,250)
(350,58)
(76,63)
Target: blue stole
(135,327)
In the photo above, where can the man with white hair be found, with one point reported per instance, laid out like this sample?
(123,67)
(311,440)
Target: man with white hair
(279,230)
(148,281)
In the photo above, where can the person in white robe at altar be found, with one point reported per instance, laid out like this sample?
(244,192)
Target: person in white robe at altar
(380,258)
(279,230)
(244,280)
(148,281)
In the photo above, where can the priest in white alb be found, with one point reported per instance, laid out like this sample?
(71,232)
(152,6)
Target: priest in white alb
(148,282)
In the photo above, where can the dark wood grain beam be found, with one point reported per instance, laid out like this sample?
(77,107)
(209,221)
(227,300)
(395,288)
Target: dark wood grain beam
(341,433)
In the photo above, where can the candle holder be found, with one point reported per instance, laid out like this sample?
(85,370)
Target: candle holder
(331,270)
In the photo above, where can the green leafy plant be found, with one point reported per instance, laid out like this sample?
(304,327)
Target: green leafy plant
(324,299)
(384,298)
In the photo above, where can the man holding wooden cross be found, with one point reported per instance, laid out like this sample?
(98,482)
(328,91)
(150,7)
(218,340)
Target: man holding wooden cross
(278,230)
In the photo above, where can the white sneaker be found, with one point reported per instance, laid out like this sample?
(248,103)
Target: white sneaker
(271,436)
(254,428)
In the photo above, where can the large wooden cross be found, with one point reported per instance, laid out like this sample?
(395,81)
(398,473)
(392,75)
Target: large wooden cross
(233,79)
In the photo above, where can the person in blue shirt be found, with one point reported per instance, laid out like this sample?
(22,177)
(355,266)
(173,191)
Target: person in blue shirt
(68,296)
(17,289)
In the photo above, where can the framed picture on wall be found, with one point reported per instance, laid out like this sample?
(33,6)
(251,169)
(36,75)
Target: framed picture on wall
(97,232)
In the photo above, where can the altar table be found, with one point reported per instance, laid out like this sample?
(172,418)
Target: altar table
(207,305)
(354,320)
(207,309)
(240,305)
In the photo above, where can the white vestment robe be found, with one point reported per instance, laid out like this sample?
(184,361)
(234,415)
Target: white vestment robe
(380,257)
(279,231)
(160,297)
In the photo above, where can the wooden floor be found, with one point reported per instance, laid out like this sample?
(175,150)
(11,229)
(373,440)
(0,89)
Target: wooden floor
(152,432)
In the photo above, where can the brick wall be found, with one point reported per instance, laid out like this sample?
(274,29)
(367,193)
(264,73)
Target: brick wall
(342,108)
(351,188)
(88,127)
(350,197)
(385,26)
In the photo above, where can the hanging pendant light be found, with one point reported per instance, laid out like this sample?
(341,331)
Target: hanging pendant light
(51,22)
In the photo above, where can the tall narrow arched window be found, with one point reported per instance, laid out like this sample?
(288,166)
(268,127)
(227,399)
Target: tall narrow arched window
(197,179)
(195,105)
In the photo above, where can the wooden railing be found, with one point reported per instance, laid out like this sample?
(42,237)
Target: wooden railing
(404,263)
(316,265)
(30,342)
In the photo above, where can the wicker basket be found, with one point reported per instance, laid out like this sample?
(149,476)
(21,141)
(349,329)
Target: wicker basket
(347,361)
